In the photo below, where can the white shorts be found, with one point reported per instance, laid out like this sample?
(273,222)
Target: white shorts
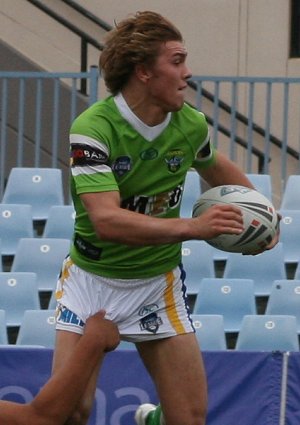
(143,309)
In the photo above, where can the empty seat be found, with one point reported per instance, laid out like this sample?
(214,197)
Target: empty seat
(18,292)
(39,187)
(15,222)
(285,299)
(60,222)
(231,298)
(289,228)
(198,263)
(291,195)
(268,333)
(126,345)
(262,183)
(209,330)
(263,268)
(191,193)
(37,328)
(43,256)
(3,329)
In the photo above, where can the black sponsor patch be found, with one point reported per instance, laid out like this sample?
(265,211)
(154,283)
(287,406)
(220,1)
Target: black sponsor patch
(82,155)
(87,249)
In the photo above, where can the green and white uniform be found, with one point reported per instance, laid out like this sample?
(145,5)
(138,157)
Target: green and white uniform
(140,288)
(112,150)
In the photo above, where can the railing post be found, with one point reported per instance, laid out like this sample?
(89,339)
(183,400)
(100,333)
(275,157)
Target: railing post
(83,64)
(94,77)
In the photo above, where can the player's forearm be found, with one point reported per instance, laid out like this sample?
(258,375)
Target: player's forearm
(131,228)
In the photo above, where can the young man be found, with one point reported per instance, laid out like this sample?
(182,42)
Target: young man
(56,402)
(129,157)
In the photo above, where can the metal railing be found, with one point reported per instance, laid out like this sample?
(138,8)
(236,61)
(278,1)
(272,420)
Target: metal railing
(259,130)
(36,110)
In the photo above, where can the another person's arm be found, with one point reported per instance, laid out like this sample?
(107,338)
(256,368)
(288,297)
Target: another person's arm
(59,396)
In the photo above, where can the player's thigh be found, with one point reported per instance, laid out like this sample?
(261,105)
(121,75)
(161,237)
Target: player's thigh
(64,346)
(177,369)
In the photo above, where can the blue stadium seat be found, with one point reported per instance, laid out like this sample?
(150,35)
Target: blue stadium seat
(210,333)
(291,196)
(191,193)
(285,299)
(267,332)
(198,262)
(39,187)
(3,329)
(231,298)
(262,183)
(37,328)
(263,268)
(43,256)
(15,222)
(60,222)
(18,292)
(289,228)
(126,345)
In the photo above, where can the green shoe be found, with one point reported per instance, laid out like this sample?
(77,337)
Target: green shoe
(142,413)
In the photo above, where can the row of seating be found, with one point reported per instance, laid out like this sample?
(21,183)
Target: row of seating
(43,187)
(41,256)
(231,298)
(44,257)
(16,222)
(257,333)
(199,262)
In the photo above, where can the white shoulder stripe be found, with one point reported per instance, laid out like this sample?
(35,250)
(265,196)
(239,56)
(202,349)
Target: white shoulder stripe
(77,171)
(86,140)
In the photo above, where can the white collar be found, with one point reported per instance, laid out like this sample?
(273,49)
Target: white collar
(148,132)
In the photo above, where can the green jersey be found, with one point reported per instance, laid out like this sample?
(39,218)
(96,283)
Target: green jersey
(112,150)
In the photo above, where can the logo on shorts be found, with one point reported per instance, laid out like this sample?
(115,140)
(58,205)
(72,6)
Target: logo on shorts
(147,309)
(150,323)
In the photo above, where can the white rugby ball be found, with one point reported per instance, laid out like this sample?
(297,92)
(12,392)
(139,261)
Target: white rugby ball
(259,215)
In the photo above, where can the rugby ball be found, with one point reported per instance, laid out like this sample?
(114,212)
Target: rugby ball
(259,215)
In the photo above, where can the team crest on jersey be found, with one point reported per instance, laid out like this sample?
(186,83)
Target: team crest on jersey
(122,165)
(149,154)
(174,159)
(151,323)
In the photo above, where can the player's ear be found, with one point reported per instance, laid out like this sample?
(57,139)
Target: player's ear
(143,72)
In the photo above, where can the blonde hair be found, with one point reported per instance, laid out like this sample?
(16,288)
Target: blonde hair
(135,40)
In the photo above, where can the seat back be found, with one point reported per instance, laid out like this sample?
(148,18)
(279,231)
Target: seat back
(3,329)
(37,328)
(291,196)
(268,333)
(231,298)
(262,183)
(38,187)
(43,256)
(191,193)
(60,222)
(289,229)
(18,292)
(15,222)
(209,330)
(285,299)
(263,268)
(198,263)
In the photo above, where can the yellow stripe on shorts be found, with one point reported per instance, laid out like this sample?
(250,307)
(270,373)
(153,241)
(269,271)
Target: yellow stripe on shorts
(170,305)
